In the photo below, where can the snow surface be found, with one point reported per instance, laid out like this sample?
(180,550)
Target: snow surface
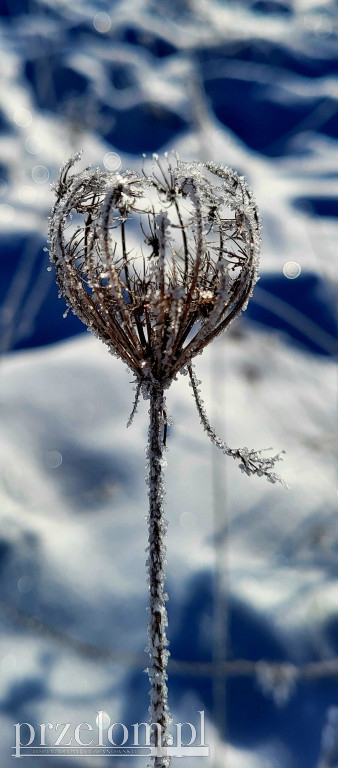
(252,568)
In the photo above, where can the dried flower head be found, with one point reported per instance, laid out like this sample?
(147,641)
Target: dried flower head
(156,264)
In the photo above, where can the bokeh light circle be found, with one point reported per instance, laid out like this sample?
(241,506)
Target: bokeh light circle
(102,22)
(6,212)
(53,459)
(34,144)
(103,719)
(27,194)
(112,161)
(25,584)
(40,174)
(22,117)
(291,269)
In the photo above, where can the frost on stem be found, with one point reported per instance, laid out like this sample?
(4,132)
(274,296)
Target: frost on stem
(156,264)
(158,621)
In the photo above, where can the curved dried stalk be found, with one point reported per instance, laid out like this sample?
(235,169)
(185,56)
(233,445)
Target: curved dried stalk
(252,461)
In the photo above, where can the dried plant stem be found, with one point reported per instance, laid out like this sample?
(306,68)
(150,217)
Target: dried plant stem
(157,639)
(156,305)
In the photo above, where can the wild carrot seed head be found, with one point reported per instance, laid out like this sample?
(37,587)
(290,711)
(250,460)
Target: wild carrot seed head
(157,263)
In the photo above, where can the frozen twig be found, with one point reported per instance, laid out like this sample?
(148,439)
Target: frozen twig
(135,404)
(252,461)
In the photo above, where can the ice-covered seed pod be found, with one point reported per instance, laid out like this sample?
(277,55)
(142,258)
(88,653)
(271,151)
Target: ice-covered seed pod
(156,263)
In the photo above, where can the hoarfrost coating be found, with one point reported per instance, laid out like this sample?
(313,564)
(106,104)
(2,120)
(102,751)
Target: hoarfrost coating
(156,264)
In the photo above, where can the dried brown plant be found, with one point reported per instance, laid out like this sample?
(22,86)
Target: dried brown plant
(157,264)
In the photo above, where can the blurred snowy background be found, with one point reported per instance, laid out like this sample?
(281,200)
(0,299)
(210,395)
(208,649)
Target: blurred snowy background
(252,568)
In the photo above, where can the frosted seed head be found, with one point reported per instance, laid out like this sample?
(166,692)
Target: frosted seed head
(156,264)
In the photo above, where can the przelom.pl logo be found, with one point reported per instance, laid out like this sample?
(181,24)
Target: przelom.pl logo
(105,739)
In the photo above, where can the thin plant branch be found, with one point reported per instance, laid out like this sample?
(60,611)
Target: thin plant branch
(252,461)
